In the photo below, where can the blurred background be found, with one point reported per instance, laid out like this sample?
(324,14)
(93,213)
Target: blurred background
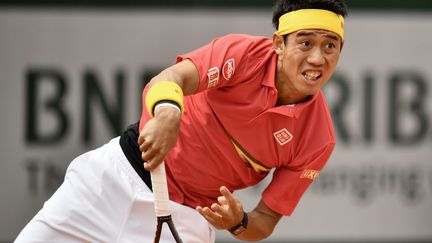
(71,74)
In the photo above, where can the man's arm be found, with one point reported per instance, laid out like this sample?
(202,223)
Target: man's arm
(229,212)
(159,135)
(184,73)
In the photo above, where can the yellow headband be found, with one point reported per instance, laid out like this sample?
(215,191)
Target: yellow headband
(311,19)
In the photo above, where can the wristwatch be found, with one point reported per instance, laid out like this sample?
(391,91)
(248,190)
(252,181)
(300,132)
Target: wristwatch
(241,226)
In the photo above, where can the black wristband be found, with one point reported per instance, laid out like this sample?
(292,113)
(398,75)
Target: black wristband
(165,101)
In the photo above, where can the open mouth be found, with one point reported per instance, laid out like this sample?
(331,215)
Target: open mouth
(312,75)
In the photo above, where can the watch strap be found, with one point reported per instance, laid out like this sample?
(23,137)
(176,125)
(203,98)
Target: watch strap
(241,226)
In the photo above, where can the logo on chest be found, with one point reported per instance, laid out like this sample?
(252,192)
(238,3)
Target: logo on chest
(283,136)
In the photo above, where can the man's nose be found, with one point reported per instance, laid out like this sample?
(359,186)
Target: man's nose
(316,57)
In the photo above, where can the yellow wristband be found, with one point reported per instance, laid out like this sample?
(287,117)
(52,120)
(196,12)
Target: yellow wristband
(164,90)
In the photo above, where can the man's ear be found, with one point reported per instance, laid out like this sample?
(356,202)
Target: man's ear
(278,43)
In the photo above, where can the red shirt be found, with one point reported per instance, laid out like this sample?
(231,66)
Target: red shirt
(236,104)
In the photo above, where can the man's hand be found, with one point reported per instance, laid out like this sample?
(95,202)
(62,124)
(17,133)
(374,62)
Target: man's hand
(229,213)
(159,136)
(225,214)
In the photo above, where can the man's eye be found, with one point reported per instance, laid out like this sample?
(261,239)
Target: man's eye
(306,43)
(330,45)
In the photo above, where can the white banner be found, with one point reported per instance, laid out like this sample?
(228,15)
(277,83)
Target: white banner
(70,80)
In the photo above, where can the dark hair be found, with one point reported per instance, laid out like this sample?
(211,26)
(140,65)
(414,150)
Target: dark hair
(284,6)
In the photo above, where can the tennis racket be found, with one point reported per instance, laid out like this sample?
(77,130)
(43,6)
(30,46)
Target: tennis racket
(162,204)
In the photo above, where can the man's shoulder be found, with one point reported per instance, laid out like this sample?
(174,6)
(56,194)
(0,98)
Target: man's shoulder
(246,39)
(318,114)
(255,48)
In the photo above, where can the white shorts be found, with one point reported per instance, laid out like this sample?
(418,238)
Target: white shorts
(102,199)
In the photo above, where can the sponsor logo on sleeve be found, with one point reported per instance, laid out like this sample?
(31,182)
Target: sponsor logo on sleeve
(228,69)
(283,136)
(309,174)
(213,77)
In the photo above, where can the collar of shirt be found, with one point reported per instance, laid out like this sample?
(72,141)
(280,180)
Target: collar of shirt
(294,110)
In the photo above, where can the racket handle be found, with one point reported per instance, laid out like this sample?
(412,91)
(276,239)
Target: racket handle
(160,191)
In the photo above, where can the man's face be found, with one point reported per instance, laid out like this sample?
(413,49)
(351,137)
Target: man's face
(306,60)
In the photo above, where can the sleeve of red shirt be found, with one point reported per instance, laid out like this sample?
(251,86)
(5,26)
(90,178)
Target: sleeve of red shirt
(211,60)
(289,184)
(213,56)
(218,63)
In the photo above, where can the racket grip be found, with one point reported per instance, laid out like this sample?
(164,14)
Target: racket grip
(160,191)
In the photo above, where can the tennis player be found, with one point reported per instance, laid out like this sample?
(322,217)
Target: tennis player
(224,117)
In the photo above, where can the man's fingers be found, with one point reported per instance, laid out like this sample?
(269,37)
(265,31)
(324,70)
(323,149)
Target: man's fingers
(212,217)
(149,165)
(152,163)
(217,208)
(143,137)
(145,145)
(149,154)
(233,207)
(222,200)
(225,191)
(140,139)
(222,210)
(215,216)
(152,150)
(229,197)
